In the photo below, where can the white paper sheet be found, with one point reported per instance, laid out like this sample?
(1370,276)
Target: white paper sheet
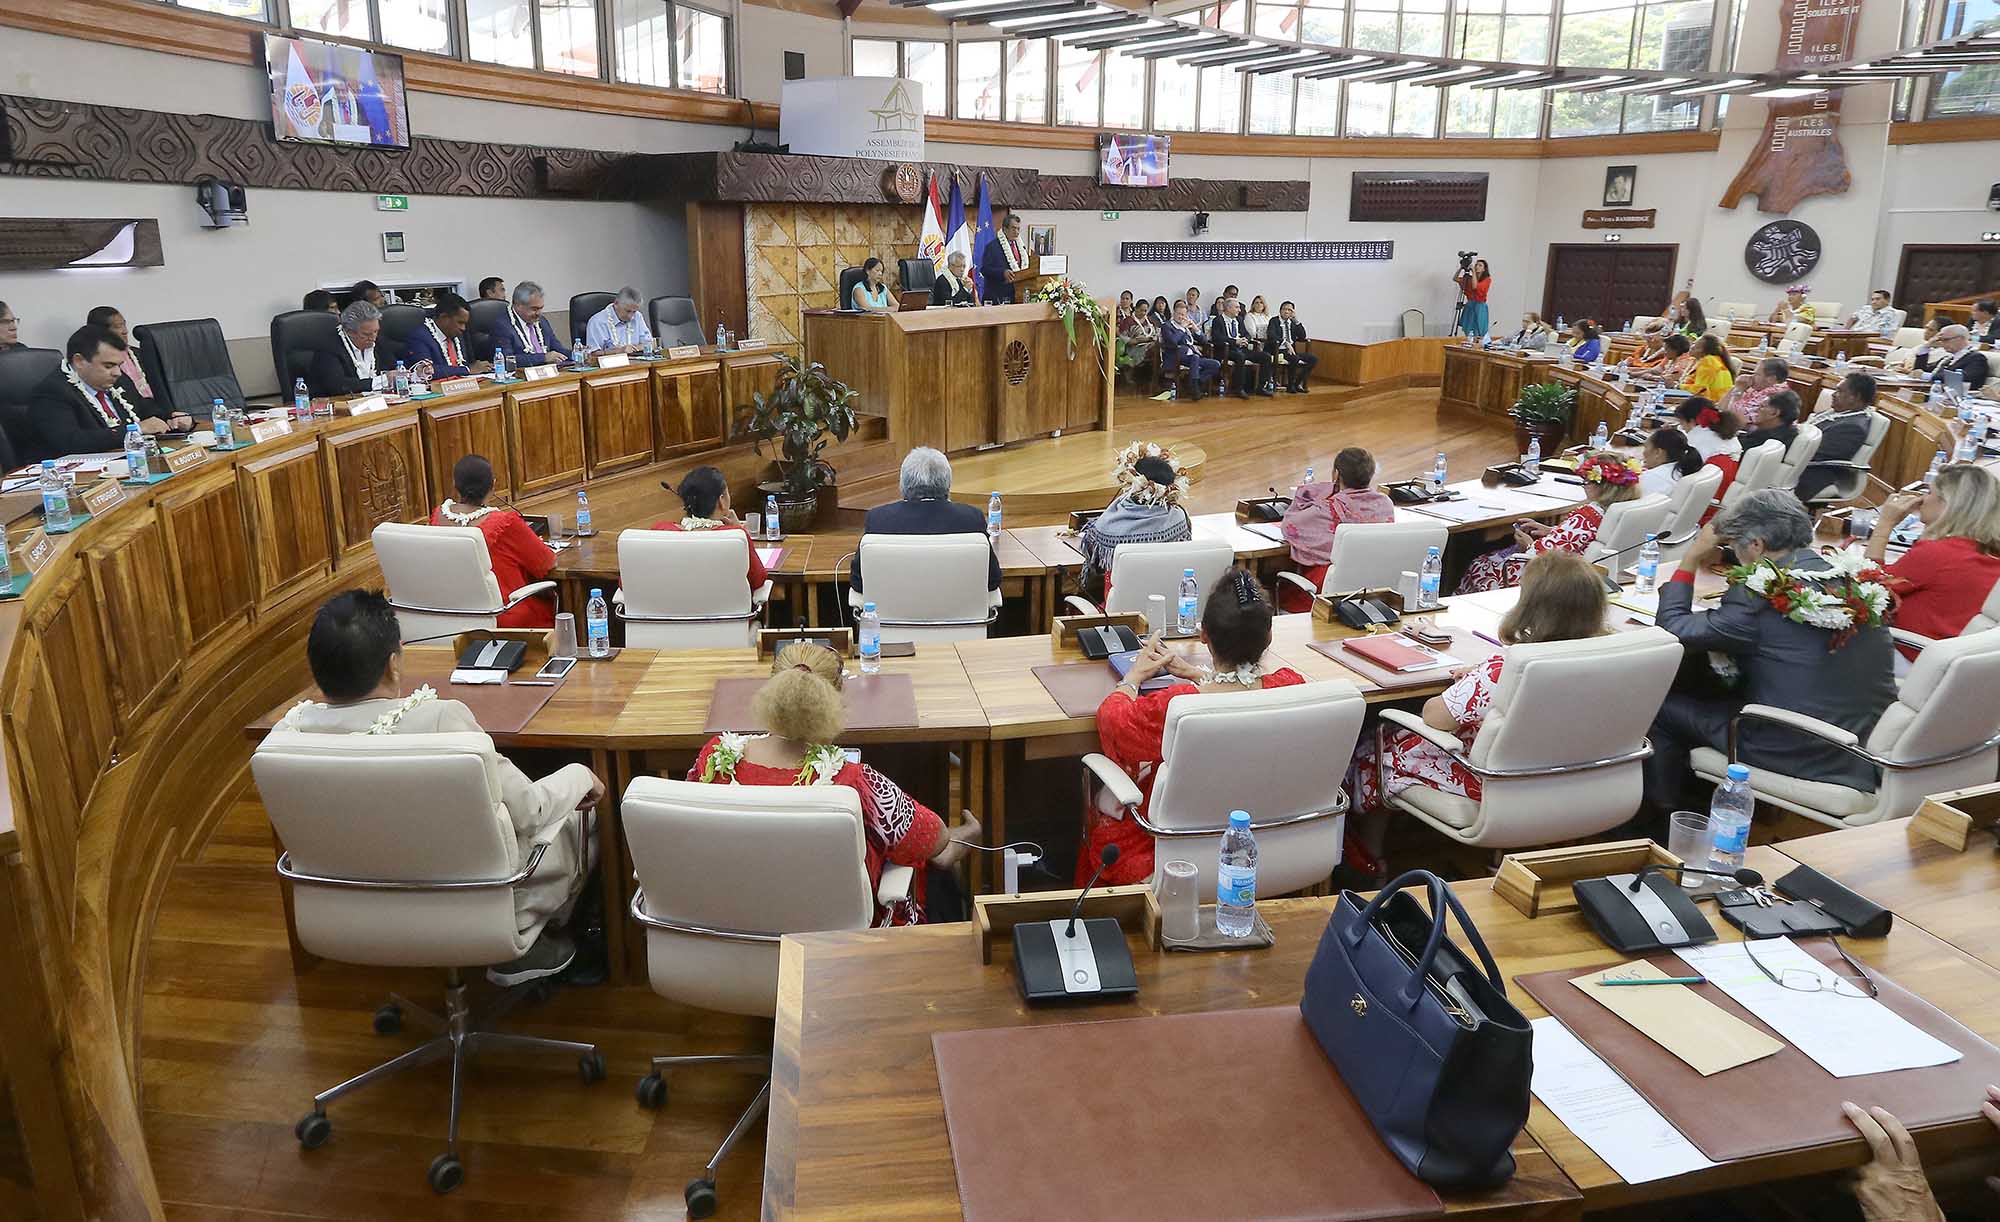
(1848,1035)
(478,677)
(768,556)
(1472,509)
(1605,1113)
(1269,530)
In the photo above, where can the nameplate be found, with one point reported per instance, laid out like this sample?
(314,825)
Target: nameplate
(37,550)
(455,386)
(268,429)
(613,360)
(537,373)
(185,458)
(361,407)
(751,345)
(102,497)
(681,352)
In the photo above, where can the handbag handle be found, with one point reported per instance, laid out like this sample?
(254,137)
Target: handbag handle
(1441,900)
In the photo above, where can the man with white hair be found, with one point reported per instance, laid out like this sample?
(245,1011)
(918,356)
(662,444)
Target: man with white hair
(620,326)
(1953,352)
(953,285)
(524,334)
(348,365)
(926,509)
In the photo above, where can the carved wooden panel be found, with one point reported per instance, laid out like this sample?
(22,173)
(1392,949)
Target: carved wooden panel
(480,427)
(209,554)
(1019,380)
(688,407)
(284,499)
(1413,195)
(618,420)
(72,636)
(375,474)
(52,775)
(971,415)
(135,594)
(545,427)
(42,243)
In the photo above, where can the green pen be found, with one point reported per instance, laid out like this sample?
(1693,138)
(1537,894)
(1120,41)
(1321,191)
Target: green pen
(1661,980)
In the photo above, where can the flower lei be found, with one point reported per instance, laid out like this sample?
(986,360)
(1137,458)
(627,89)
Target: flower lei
(385,724)
(691,522)
(97,404)
(1846,596)
(1250,674)
(1138,488)
(463,519)
(1072,301)
(822,763)
(1605,467)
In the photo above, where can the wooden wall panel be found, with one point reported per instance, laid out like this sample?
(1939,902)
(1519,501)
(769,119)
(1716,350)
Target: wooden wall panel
(1084,401)
(479,427)
(743,379)
(545,429)
(284,499)
(688,407)
(72,638)
(925,385)
(1463,371)
(134,587)
(618,420)
(716,267)
(375,474)
(975,397)
(209,555)
(54,777)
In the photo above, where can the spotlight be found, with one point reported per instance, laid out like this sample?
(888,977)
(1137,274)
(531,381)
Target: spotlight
(1199,225)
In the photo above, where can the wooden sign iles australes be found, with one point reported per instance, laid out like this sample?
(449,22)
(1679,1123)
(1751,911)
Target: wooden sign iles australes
(1799,155)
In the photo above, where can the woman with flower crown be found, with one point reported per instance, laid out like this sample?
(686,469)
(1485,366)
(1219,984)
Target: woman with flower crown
(1132,722)
(802,706)
(517,553)
(1147,509)
(1608,478)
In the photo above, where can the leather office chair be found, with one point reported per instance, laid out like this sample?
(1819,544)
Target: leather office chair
(928,587)
(1796,335)
(1296,741)
(1624,527)
(1907,337)
(1142,569)
(1735,309)
(582,308)
(1641,321)
(1372,555)
(1691,499)
(675,321)
(1939,735)
(1559,753)
(724,872)
(1901,317)
(1757,470)
(849,277)
(399,322)
(398,854)
(1852,473)
(1826,311)
(1988,617)
(295,336)
(440,579)
(21,370)
(488,317)
(188,365)
(916,275)
(1797,455)
(687,589)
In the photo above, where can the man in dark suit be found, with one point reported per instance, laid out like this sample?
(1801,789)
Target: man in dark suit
(1228,341)
(348,365)
(438,349)
(953,286)
(1178,349)
(1784,663)
(1777,419)
(1953,352)
(1004,254)
(524,334)
(78,409)
(1285,346)
(1841,432)
(1986,321)
(926,509)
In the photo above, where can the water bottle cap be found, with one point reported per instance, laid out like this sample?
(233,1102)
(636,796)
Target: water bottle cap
(597,591)
(1239,818)
(1739,772)
(867,608)
(1187,572)
(1431,551)
(49,464)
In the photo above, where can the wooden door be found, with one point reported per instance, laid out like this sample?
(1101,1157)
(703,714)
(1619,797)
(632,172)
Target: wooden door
(1610,283)
(1940,273)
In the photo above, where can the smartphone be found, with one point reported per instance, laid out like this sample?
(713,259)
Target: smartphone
(899,649)
(555,668)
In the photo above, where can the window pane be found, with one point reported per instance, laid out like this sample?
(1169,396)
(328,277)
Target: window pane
(1326,25)
(979,80)
(1319,108)
(1124,92)
(420,25)
(1221,100)
(1078,76)
(644,42)
(347,18)
(1526,40)
(704,50)
(1469,112)
(1423,33)
(1028,80)
(1585,114)
(1232,15)
(1596,34)
(1374,30)
(1478,37)
(923,62)
(1368,109)
(254,10)
(569,36)
(1517,113)
(875,57)
(498,32)
(1271,103)
(1173,96)
(1279,21)
(1416,110)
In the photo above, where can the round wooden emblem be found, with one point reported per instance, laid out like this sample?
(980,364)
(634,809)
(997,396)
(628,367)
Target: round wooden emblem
(1015,363)
(902,183)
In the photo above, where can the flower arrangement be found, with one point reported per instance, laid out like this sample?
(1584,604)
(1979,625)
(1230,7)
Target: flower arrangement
(1071,299)
(822,763)
(1141,490)
(1606,467)
(1847,595)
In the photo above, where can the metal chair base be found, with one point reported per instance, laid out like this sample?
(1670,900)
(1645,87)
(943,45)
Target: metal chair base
(652,1093)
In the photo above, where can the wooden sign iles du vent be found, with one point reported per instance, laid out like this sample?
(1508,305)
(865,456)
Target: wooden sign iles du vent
(1799,155)
(103,496)
(1620,218)
(184,459)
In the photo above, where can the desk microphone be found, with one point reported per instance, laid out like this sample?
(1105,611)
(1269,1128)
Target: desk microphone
(1074,959)
(1105,860)
(1747,877)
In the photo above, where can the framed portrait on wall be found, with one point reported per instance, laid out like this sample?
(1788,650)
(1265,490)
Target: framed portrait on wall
(1621,185)
(1042,239)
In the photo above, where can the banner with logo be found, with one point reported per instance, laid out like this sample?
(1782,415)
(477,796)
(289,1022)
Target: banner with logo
(854,116)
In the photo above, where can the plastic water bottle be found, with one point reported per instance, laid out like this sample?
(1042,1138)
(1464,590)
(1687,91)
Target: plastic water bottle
(1729,819)
(1968,449)
(1978,424)
(1562,324)
(576,353)
(1533,462)
(1439,473)
(1602,437)
(400,382)
(6,564)
(302,403)
(1309,477)
(1937,465)
(1236,879)
(135,453)
(1185,622)
(597,623)
(993,516)
(583,529)
(721,337)
(55,497)
(869,627)
(773,528)
(1935,399)
(499,366)
(1430,577)
(1649,566)
(220,424)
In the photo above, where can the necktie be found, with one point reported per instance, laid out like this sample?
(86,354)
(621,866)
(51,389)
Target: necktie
(110,412)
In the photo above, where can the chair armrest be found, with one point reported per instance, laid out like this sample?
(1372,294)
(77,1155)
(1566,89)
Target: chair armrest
(895,884)
(618,598)
(1080,607)
(1801,722)
(528,591)
(1300,582)
(1113,778)
(1441,739)
(993,601)
(758,596)
(1914,640)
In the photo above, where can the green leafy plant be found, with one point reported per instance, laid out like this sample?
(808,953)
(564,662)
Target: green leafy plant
(1071,301)
(806,411)
(1547,403)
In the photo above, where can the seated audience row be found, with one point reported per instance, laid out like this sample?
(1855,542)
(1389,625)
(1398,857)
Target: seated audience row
(1269,353)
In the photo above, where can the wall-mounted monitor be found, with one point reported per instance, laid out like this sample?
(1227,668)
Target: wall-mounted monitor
(1132,161)
(330,93)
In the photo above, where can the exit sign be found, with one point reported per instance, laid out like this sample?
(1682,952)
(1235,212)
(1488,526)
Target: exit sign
(392,203)
(1109,216)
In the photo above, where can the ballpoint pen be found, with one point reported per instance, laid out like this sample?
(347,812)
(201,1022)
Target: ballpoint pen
(1660,980)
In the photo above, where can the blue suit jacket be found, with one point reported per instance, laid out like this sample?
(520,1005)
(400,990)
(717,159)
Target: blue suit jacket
(993,273)
(423,346)
(505,340)
(945,517)
(1177,346)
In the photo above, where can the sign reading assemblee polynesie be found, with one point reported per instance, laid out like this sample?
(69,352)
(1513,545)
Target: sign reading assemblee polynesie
(854,116)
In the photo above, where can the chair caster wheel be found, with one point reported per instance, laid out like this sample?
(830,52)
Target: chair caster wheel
(312,1130)
(445,1174)
(651,1092)
(590,1067)
(700,1197)
(389,1019)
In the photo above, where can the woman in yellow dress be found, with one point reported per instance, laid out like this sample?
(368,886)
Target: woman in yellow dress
(1714,370)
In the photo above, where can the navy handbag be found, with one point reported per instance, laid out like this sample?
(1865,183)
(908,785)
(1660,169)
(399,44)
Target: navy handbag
(1434,1052)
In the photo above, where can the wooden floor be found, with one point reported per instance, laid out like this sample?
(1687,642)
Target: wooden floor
(234,1045)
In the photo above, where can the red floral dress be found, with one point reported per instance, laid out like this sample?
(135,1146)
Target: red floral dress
(899,830)
(1407,758)
(1501,568)
(519,558)
(1131,732)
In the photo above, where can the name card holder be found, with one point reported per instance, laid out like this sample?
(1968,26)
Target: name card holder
(455,386)
(363,406)
(184,459)
(613,360)
(538,373)
(681,352)
(751,345)
(771,640)
(103,496)
(266,430)
(1950,818)
(37,550)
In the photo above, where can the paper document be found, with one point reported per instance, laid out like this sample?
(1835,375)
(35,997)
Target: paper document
(1604,1112)
(1270,530)
(1709,1038)
(1848,1035)
(468,675)
(1468,510)
(768,556)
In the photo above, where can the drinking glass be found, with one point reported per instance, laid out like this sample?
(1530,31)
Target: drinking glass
(1156,614)
(1407,586)
(755,523)
(1180,900)
(555,526)
(1689,838)
(565,646)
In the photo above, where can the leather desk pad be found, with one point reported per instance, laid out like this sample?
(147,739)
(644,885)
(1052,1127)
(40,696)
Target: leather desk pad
(1467,648)
(874,702)
(1079,687)
(499,708)
(1132,1119)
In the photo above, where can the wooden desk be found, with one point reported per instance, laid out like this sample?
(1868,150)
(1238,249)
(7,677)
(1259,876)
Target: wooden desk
(1923,882)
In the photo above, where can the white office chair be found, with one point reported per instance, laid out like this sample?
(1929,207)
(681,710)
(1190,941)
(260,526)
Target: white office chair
(1559,753)
(1828,311)
(1910,338)
(440,579)
(1988,617)
(1939,735)
(1641,321)
(1375,555)
(1901,317)
(1295,741)
(399,854)
(1142,569)
(1796,336)
(1853,472)
(1735,309)
(1757,470)
(1804,445)
(725,871)
(1624,528)
(687,589)
(1691,497)
(1719,328)
(928,587)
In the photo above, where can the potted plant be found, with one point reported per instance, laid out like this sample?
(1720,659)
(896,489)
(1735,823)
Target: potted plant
(1543,412)
(806,410)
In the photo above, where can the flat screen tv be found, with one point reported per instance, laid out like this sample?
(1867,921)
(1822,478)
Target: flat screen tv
(1132,161)
(328,93)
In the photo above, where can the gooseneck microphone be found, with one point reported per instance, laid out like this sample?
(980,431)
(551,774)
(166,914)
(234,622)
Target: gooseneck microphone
(1104,862)
(1748,877)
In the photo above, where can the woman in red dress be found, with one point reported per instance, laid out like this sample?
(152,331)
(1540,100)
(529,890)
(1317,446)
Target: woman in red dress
(1318,510)
(1946,576)
(1131,726)
(704,493)
(1608,479)
(802,706)
(518,555)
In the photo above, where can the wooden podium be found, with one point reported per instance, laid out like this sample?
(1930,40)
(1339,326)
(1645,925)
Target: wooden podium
(961,377)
